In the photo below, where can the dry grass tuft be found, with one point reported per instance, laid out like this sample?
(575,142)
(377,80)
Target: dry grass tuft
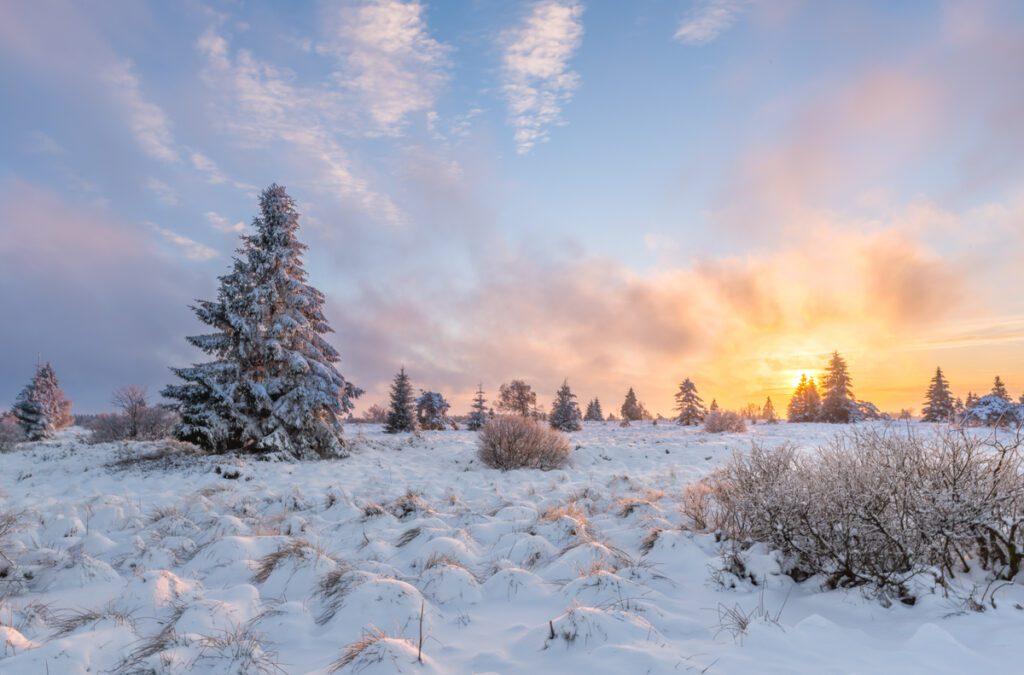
(407,536)
(650,540)
(67,622)
(370,637)
(296,549)
(409,504)
(335,585)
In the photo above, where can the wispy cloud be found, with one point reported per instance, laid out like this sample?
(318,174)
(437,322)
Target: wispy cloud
(708,19)
(223,224)
(148,123)
(388,60)
(191,248)
(164,192)
(264,105)
(537,77)
(213,173)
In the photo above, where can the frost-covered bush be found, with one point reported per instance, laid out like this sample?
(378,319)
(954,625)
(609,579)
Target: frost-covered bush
(724,421)
(432,412)
(152,423)
(879,508)
(993,410)
(514,442)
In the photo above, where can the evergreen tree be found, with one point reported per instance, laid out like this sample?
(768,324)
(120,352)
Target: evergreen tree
(999,389)
(272,385)
(402,408)
(594,413)
(565,414)
(939,405)
(631,410)
(836,402)
(517,398)
(805,404)
(689,405)
(972,400)
(432,412)
(768,412)
(42,408)
(478,416)
(714,405)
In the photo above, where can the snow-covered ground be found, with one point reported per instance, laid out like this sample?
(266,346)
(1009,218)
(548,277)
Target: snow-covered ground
(169,569)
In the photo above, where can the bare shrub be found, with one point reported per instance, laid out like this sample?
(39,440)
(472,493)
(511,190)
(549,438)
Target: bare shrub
(513,442)
(880,507)
(148,423)
(724,421)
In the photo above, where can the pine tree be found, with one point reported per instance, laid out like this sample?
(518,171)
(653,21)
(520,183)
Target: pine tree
(689,405)
(565,414)
(272,385)
(714,405)
(42,408)
(999,389)
(939,405)
(402,409)
(835,405)
(768,412)
(805,404)
(972,400)
(432,412)
(631,409)
(478,416)
(594,413)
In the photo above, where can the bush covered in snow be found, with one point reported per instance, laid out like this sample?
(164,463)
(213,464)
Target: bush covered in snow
(514,442)
(879,507)
(993,410)
(724,421)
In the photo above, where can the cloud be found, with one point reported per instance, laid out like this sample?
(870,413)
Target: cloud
(90,292)
(708,19)
(192,249)
(263,105)
(164,192)
(147,120)
(388,60)
(223,224)
(537,81)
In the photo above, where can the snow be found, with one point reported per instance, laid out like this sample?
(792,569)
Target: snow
(221,564)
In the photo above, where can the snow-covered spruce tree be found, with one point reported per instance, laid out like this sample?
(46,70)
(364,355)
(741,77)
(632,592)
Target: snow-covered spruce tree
(478,415)
(594,413)
(565,414)
(999,389)
(714,405)
(939,405)
(272,385)
(689,406)
(805,405)
(42,408)
(631,410)
(838,395)
(402,408)
(432,412)
(768,412)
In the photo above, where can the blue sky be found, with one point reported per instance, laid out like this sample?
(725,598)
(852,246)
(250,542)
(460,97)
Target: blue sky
(617,193)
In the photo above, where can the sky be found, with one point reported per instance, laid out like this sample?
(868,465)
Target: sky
(621,194)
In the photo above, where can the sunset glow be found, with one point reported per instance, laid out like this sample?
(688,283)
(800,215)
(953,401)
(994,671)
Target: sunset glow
(606,192)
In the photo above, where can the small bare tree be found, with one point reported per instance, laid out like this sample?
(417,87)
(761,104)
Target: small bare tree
(131,400)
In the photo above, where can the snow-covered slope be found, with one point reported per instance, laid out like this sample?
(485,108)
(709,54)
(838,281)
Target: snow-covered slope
(225,565)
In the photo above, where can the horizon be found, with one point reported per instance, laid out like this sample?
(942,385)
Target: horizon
(619,195)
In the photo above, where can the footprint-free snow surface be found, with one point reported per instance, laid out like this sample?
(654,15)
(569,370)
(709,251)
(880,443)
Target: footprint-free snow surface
(409,556)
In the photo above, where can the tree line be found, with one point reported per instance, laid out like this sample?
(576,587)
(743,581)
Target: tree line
(271,382)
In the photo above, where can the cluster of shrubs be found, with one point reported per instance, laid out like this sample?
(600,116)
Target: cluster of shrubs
(724,421)
(883,509)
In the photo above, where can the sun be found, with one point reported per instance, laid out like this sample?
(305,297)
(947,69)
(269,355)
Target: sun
(793,376)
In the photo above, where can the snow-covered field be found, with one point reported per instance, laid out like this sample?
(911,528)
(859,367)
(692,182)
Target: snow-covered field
(172,568)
